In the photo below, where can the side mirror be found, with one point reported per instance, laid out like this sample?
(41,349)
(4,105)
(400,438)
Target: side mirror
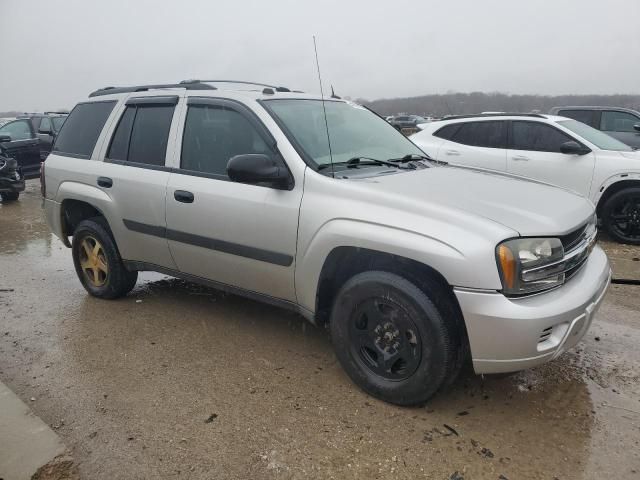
(255,168)
(5,138)
(573,148)
(45,131)
(636,127)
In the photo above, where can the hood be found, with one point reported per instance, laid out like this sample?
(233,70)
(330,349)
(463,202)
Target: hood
(526,206)
(634,154)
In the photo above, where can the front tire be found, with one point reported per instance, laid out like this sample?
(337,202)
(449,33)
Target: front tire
(10,196)
(621,216)
(391,339)
(98,262)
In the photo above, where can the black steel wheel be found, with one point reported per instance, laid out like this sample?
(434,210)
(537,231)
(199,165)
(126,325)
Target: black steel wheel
(621,216)
(391,339)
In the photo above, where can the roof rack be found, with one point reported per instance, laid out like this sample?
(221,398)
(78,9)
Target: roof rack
(493,114)
(143,88)
(56,113)
(277,89)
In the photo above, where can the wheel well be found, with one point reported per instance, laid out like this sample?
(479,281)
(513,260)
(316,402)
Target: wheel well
(615,188)
(345,262)
(75,211)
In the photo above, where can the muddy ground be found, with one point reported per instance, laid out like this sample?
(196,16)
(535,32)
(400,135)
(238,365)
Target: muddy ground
(179,381)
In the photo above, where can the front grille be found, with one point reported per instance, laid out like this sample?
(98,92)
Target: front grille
(572,239)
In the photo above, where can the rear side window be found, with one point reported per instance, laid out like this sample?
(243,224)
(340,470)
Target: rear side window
(488,134)
(215,133)
(584,116)
(45,124)
(538,137)
(448,131)
(142,134)
(82,128)
(612,121)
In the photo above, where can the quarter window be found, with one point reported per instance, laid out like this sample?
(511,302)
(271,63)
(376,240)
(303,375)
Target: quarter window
(489,134)
(612,121)
(82,128)
(448,131)
(537,136)
(18,130)
(142,134)
(215,133)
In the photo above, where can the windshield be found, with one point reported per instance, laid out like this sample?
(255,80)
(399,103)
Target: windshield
(354,131)
(57,122)
(598,138)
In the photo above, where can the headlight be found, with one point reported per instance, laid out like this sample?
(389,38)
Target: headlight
(529,265)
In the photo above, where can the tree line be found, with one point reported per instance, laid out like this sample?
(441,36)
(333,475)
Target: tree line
(476,102)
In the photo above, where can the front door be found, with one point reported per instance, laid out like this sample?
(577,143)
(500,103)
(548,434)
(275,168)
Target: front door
(535,153)
(23,146)
(621,125)
(232,233)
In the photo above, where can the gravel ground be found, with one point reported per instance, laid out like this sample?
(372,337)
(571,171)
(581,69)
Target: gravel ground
(180,381)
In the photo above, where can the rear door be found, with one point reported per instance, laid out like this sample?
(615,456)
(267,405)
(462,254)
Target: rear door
(233,233)
(534,152)
(24,146)
(135,176)
(621,126)
(477,144)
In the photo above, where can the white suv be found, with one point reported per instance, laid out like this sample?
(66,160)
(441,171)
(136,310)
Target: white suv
(552,149)
(324,208)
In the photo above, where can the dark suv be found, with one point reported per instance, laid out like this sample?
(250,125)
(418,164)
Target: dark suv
(19,141)
(46,125)
(621,123)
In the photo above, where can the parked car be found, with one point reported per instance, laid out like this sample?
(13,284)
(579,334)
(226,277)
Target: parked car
(11,181)
(407,121)
(413,266)
(620,123)
(20,142)
(46,125)
(556,150)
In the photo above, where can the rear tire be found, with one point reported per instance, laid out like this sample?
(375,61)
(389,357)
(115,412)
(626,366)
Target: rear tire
(621,216)
(98,262)
(392,340)
(10,196)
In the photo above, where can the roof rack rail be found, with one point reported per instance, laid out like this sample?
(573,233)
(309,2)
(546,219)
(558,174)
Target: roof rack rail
(144,88)
(493,114)
(243,82)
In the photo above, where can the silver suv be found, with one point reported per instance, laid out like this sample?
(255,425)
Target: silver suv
(324,208)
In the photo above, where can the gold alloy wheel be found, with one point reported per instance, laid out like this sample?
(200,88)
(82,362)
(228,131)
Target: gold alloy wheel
(93,261)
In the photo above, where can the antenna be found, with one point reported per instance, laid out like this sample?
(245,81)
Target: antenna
(326,124)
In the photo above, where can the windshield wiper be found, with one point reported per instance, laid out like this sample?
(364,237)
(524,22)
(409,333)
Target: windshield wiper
(356,161)
(414,156)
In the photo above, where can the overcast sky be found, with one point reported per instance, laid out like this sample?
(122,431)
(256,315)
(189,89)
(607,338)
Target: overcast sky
(53,53)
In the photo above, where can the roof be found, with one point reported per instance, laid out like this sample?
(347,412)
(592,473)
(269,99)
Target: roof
(582,107)
(493,116)
(205,87)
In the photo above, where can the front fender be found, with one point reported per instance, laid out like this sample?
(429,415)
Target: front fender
(458,268)
(611,180)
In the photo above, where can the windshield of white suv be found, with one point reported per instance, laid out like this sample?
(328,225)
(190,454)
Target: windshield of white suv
(598,138)
(354,131)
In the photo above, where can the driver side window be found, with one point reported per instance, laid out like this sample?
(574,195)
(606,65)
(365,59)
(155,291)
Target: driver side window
(17,130)
(215,133)
(537,136)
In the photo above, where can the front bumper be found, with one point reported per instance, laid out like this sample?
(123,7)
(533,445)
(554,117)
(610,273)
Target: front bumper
(11,185)
(508,334)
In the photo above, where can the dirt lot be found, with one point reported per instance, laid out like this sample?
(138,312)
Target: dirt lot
(179,381)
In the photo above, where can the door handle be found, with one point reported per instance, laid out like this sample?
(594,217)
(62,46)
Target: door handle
(452,152)
(183,196)
(105,182)
(520,158)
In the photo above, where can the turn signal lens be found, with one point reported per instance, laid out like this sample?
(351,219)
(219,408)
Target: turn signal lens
(509,266)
